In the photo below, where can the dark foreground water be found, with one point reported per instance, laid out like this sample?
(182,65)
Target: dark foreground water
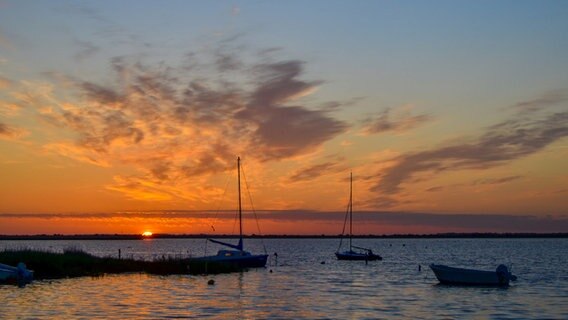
(300,286)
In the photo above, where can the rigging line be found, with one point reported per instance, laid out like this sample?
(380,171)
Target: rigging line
(251,204)
(219,202)
(253,210)
(215,216)
(344,224)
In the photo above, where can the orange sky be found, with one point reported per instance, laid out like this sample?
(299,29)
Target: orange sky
(101,117)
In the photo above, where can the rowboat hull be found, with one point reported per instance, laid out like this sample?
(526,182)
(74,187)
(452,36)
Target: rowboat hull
(461,276)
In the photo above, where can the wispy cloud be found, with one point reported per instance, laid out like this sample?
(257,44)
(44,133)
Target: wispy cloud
(496,181)
(5,82)
(77,153)
(500,144)
(477,182)
(545,100)
(140,189)
(8,132)
(9,109)
(317,170)
(170,126)
(394,120)
(86,50)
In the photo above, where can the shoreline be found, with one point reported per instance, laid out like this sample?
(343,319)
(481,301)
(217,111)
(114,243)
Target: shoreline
(276,236)
(72,263)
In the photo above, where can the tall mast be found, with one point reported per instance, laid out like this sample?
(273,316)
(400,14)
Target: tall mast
(350,209)
(240,209)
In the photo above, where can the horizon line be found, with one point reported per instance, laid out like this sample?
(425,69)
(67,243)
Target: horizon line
(128,236)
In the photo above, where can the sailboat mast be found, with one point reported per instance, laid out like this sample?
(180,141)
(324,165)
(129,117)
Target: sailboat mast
(350,209)
(240,209)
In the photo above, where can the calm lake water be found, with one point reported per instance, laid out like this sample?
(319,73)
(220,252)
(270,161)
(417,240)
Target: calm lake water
(300,286)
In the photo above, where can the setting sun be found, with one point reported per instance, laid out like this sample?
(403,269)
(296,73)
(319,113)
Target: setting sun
(147,233)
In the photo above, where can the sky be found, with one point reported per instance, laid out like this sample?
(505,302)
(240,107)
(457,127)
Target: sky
(127,116)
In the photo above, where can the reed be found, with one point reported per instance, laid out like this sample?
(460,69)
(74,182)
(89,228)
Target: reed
(76,263)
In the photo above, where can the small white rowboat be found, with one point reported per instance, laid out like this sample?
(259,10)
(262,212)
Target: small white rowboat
(450,275)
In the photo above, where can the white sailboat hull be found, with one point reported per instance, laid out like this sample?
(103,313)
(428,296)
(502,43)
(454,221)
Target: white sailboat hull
(15,274)
(351,255)
(239,259)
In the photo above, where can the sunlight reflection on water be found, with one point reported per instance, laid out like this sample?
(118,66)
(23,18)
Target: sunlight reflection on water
(302,287)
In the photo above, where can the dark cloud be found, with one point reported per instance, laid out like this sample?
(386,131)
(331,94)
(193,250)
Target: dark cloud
(5,130)
(494,181)
(332,106)
(227,62)
(10,132)
(287,131)
(101,94)
(384,122)
(384,202)
(278,83)
(203,104)
(315,171)
(284,131)
(502,143)
(216,159)
(160,169)
(435,189)
(119,126)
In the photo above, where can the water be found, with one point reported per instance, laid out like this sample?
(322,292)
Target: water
(300,286)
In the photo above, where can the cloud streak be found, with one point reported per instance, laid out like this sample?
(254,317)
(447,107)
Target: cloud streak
(500,144)
(8,132)
(391,120)
(317,170)
(543,101)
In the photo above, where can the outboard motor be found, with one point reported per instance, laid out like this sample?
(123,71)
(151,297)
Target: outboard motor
(24,276)
(503,274)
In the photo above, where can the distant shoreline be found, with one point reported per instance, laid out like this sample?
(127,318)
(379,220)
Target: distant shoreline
(273,236)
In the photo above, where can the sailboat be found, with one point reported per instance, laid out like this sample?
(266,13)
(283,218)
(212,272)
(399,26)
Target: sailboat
(238,256)
(354,252)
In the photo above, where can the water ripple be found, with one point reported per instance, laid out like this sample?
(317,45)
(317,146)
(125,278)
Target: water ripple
(300,286)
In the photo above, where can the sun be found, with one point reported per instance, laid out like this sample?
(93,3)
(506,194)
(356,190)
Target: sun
(147,233)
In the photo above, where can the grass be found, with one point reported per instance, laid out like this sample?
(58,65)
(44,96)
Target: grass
(76,263)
